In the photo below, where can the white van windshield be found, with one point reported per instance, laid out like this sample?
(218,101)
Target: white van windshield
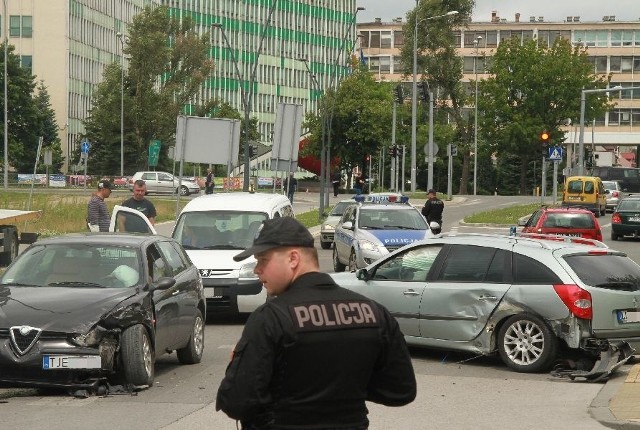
(218,229)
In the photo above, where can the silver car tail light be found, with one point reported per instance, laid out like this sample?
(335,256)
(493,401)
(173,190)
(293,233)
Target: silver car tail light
(576,299)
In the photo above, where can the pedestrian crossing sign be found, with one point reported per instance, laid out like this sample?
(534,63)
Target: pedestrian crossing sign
(555,153)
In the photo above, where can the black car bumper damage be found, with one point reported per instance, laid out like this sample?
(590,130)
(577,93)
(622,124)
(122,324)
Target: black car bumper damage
(612,355)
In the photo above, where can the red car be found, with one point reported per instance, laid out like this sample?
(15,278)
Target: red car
(565,221)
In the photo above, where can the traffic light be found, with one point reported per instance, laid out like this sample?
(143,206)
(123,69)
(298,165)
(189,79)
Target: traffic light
(544,138)
(252,151)
(400,150)
(399,94)
(423,92)
(588,158)
(393,150)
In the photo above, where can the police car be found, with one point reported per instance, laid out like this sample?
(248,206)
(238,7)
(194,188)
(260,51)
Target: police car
(374,226)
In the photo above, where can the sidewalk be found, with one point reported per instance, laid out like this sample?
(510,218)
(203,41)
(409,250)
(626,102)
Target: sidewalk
(617,405)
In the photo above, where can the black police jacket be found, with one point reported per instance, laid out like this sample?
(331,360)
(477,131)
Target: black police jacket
(433,209)
(310,358)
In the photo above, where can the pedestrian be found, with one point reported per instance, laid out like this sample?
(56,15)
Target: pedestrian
(98,218)
(312,355)
(209,182)
(140,203)
(290,185)
(433,208)
(335,180)
(358,184)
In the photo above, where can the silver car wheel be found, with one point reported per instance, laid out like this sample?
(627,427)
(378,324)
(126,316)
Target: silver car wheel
(524,342)
(147,355)
(198,335)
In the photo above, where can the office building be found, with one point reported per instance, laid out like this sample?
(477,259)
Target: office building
(611,48)
(68,44)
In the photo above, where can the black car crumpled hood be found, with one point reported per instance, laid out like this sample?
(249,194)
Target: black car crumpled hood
(59,309)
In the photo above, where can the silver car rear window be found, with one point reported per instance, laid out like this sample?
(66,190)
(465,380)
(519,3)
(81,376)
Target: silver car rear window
(613,272)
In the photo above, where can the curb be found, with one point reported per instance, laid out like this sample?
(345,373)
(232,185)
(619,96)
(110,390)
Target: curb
(600,410)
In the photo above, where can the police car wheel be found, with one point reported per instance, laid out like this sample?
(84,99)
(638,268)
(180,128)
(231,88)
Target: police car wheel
(353,265)
(337,265)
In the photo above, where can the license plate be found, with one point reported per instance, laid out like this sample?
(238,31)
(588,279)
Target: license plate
(569,234)
(634,219)
(213,293)
(52,362)
(625,317)
(573,197)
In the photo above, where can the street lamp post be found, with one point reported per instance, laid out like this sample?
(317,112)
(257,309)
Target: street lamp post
(414,100)
(246,94)
(6,110)
(327,165)
(122,38)
(475,118)
(583,99)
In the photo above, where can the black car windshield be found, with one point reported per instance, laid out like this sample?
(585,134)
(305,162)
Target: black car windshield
(613,272)
(74,265)
(380,218)
(218,229)
(631,205)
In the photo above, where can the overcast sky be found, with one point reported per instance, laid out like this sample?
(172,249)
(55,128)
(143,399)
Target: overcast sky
(551,10)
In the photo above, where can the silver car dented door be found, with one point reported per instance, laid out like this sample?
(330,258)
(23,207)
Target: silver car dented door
(398,284)
(468,284)
(120,213)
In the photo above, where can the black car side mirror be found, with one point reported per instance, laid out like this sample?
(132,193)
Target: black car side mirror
(362,274)
(163,283)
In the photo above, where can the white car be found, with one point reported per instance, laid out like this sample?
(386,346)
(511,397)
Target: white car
(165,183)
(213,229)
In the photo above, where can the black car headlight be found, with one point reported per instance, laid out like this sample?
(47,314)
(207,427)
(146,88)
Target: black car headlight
(91,338)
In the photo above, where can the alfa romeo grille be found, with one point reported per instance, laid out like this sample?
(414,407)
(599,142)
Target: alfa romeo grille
(24,337)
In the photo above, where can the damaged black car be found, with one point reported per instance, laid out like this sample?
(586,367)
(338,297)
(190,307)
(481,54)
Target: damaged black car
(84,310)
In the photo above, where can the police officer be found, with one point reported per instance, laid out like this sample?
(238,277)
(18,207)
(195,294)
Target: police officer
(433,208)
(312,355)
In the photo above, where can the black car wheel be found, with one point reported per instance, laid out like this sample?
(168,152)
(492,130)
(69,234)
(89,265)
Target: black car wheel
(192,353)
(337,265)
(614,236)
(325,245)
(526,344)
(184,191)
(137,356)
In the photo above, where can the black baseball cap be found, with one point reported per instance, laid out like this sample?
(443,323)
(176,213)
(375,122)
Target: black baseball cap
(277,232)
(105,184)
(431,191)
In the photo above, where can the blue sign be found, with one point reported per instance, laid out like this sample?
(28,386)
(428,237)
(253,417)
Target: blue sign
(84,147)
(555,153)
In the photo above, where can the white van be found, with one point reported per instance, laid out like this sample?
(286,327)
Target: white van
(215,227)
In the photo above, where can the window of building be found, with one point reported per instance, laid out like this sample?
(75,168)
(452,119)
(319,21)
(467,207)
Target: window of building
(591,37)
(26,61)
(385,64)
(626,64)
(622,38)
(457,37)
(492,39)
(385,39)
(364,40)
(470,37)
(14,26)
(398,67)
(615,63)
(27,29)
(374,41)
(398,39)
(374,64)
(601,64)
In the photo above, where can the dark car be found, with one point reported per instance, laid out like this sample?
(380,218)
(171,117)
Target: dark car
(86,309)
(625,220)
(565,221)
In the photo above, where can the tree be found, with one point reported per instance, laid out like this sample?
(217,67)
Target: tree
(441,67)
(47,128)
(22,112)
(168,63)
(535,88)
(358,118)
